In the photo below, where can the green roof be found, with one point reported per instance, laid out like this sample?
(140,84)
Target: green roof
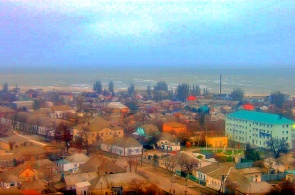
(260,117)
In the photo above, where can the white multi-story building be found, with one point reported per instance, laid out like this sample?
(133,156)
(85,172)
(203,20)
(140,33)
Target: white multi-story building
(257,127)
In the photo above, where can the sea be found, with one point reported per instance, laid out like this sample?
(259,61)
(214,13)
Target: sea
(254,81)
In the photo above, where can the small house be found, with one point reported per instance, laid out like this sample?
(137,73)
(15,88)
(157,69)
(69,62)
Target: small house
(123,146)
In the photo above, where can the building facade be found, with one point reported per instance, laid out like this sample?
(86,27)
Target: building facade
(257,127)
(123,146)
(174,127)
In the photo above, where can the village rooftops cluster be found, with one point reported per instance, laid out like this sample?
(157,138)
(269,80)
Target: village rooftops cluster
(86,142)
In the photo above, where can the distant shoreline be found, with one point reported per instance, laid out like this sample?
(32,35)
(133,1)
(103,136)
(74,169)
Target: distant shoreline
(254,82)
(83,89)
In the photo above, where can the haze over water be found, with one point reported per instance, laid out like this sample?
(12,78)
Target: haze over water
(251,80)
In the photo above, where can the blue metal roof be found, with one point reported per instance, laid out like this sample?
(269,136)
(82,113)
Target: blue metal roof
(62,161)
(260,117)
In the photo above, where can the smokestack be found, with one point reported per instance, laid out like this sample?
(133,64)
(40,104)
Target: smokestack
(220,85)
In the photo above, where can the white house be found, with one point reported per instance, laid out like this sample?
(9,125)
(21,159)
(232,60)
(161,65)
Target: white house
(168,142)
(64,165)
(76,160)
(124,146)
(72,162)
(61,111)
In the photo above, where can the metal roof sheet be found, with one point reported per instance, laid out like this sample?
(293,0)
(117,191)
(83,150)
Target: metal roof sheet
(260,117)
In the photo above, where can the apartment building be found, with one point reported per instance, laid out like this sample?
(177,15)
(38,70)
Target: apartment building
(256,128)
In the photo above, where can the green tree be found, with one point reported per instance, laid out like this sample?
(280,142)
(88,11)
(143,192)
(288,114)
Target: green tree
(111,87)
(161,86)
(37,104)
(5,87)
(277,146)
(132,105)
(237,94)
(205,92)
(277,98)
(131,90)
(149,92)
(182,91)
(196,90)
(202,119)
(251,154)
(155,160)
(97,87)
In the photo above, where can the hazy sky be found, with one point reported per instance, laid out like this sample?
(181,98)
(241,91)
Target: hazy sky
(144,32)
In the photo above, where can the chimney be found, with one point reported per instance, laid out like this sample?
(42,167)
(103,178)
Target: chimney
(220,85)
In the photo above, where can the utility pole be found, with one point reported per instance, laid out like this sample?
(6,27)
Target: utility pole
(185,192)
(206,134)
(222,184)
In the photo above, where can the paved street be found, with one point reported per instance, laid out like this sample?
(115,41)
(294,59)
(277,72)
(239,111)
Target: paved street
(31,139)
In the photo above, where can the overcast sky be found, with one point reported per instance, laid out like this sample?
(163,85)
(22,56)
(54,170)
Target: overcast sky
(147,32)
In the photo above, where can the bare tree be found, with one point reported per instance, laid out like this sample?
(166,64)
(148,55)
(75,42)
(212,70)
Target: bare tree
(170,164)
(277,146)
(63,134)
(131,162)
(4,128)
(186,162)
(11,144)
(79,100)
(284,187)
(191,164)
(82,139)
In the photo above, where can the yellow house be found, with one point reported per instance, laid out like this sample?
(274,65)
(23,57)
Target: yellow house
(25,173)
(217,141)
(99,129)
(16,176)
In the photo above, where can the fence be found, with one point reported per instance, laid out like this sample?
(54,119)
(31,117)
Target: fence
(190,177)
(272,177)
(244,165)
